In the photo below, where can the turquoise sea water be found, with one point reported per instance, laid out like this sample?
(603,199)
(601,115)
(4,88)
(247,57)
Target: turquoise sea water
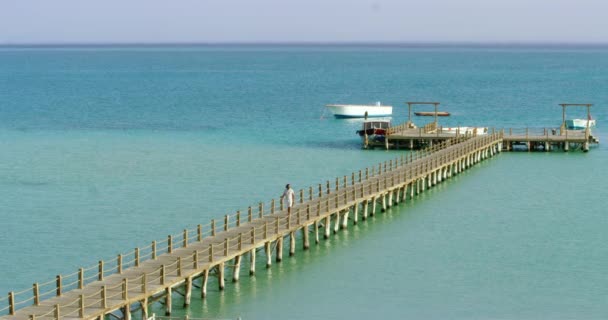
(103,149)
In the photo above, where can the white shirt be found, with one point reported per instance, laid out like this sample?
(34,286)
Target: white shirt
(288,197)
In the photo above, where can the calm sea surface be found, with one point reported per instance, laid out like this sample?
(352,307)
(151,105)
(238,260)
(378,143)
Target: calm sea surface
(104,149)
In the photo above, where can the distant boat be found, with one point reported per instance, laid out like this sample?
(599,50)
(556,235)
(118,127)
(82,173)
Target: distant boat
(432,113)
(579,124)
(360,111)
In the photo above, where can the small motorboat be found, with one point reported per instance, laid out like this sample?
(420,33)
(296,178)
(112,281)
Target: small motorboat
(360,111)
(579,124)
(375,130)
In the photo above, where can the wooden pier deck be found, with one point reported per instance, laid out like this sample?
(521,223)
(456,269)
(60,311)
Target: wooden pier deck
(405,136)
(133,280)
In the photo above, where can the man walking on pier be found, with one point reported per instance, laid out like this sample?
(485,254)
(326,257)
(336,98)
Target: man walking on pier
(288,198)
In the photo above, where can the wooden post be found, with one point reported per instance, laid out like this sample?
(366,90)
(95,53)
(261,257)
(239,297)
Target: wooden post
(327,226)
(220,276)
(204,284)
(268,254)
(345,219)
(252,262)
(168,299)
(310,193)
(226,244)
(301,196)
(119,264)
(36,294)
(249,214)
(261,209)
(153,250)
(57,313)
(320,190)
(305,236)
(212,227)
(125,289)
(100,272)
(316,227)
(356,213)
(383,202)
(226,222)
(144,307)
(336,200)
(81,278)
(185,239)
(237,268)
(195,260)
(279,249)
(179,266)
(365,209)
(238,218)
(199,233)
(137,257)
(144,283)
(58,280)
(292,243)
(170,244)
(104,297)
(162,274)
(126,311)
(188,296)
(11,303)
(373,206)
(210,252)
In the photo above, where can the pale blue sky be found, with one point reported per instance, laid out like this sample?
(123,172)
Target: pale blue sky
(102,21)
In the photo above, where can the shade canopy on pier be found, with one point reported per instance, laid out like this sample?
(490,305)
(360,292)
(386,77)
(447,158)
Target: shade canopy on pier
(565,105)
(411,103)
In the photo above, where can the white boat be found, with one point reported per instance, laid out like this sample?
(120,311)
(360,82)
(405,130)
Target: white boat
(579,124)
(360,111)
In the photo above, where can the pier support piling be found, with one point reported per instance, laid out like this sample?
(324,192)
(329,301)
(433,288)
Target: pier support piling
(268,254)
(252,262)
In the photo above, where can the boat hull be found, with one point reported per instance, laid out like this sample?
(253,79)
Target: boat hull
(579,124)
(432,114)
(358,111)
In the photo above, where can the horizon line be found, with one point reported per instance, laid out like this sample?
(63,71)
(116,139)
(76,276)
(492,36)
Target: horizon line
(309,43)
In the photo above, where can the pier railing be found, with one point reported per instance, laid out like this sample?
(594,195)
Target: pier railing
(336,193)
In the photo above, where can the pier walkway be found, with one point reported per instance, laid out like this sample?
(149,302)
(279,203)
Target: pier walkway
(135,279)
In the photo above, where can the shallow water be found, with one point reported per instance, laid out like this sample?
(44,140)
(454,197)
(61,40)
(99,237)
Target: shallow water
(103,150)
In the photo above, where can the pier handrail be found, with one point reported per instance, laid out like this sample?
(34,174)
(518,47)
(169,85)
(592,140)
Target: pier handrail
(364,179)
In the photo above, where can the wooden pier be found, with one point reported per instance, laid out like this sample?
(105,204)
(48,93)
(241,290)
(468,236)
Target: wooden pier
(410,136)
(405,137)
(134,280)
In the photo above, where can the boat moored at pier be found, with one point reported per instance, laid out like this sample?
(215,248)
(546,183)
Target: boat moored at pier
(579,124)
(374,130)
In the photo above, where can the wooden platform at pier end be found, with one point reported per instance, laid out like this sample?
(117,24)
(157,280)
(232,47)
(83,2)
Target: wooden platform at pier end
(133,280)
(407,136)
